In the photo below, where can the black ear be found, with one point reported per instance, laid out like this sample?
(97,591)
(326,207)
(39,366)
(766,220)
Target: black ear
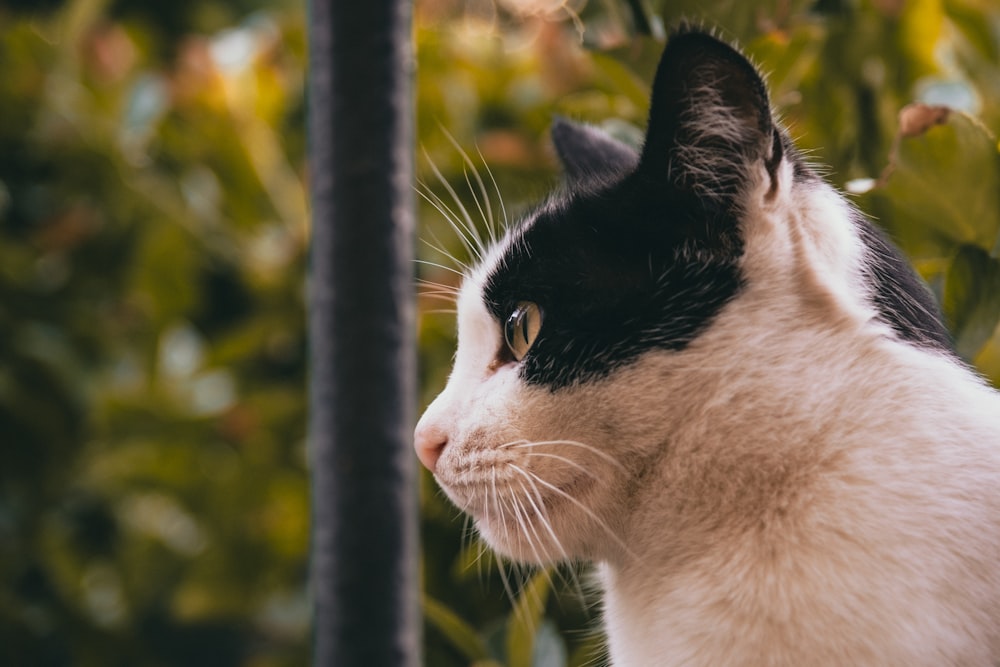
(709,123)
(587,153)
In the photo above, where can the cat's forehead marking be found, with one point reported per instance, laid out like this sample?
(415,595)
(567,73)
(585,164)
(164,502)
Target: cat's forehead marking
(612,280)
(495,257)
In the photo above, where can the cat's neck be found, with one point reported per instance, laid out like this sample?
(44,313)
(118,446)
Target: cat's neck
(738,522)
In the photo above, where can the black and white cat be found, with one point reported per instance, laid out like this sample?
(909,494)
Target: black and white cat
(703,370)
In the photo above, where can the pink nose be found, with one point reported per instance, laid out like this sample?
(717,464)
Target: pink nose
(429,441)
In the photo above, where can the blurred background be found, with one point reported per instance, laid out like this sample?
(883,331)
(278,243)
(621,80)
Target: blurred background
(154,501)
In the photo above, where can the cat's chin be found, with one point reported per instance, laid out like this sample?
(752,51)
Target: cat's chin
(547,526)
(509,542)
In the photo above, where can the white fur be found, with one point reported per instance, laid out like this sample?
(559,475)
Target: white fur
(879,544)
(797,487)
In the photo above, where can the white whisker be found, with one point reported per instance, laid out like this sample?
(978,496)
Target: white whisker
(583,508)
(522,444)
(450,298)
(452,218)
(465,222)
(540,513)
(487,215)
(526,526)
(569,462)
(503,208)
(441,251)
(423,282)
(539,508)
(499,517)
(440,266)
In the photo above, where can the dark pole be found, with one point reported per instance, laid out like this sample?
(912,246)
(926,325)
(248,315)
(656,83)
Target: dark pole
(364,552)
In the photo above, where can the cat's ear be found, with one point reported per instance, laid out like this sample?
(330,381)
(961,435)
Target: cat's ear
(710,123)
(587,153)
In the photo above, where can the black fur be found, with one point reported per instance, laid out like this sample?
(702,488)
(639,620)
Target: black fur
(643,251)
(900,296)
(639,257)
(613,280)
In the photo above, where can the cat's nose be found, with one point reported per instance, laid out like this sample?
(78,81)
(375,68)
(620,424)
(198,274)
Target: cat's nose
(429,440)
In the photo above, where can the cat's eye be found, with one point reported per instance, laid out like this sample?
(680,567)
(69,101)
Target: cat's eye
(522,328)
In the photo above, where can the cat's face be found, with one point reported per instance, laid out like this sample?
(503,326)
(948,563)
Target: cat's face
(605,330)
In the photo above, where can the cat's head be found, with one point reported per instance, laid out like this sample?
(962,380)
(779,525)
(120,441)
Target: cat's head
(613,325)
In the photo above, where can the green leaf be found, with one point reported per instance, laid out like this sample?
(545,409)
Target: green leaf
(640,57)
(988,359)
(975,27)
(972,299)
(944,176)
(620,77)
(462,635)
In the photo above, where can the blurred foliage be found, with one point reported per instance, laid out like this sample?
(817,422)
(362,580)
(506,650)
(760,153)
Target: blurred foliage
(153,504)
(153,479)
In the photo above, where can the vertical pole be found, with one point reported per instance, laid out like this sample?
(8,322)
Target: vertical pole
(364,559)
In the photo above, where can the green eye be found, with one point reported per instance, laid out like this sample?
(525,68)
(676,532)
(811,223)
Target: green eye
(522,328)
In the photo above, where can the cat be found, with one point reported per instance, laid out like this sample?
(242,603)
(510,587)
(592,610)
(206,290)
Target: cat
(700,368)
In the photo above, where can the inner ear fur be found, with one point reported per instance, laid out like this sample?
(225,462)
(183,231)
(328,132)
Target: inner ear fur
(710,122)
(710,119)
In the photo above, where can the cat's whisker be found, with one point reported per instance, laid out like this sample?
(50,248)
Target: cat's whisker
(600,653)
(465,222)
(481,559)
(499,516)
(470,535)
(456,225)
(439,266)
(441,248)
(523,444)
(439,298)
(569,462)
(521,570)
(438,288)
(444,287)
(583,508)
(433,294)
(487,215)
(430,285)
(438,294)
(572,581)
(496,188)
(543,520)
(454,221)
(525,575)
(470,540)
(569,580)
(441,206)
(539,508)
(526,525)
(437,247)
